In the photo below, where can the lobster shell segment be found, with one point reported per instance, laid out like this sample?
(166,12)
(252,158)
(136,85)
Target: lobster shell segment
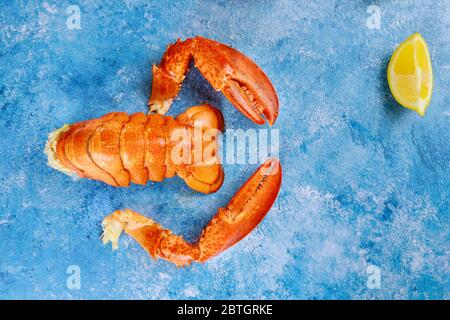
(228,70)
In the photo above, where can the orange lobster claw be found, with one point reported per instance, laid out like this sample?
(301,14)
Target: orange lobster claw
(243,213)
(244,84)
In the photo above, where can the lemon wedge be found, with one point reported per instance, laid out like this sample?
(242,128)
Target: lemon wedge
(410,75)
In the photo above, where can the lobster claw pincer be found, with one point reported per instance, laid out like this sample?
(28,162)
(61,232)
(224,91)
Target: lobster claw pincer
(240,79)
(243,213)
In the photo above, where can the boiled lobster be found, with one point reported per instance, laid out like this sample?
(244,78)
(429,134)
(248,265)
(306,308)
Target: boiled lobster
(242,214)
(244,84)
(118,148)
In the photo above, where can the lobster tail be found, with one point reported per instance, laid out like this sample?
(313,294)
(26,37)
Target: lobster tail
(118,148)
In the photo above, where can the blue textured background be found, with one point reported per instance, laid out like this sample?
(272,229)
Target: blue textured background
(366,181)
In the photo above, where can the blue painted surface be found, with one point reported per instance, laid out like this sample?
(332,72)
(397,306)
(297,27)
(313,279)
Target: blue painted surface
(366,182)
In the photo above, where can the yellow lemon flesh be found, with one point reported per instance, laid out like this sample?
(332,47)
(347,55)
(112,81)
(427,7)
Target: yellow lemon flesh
(410,75)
